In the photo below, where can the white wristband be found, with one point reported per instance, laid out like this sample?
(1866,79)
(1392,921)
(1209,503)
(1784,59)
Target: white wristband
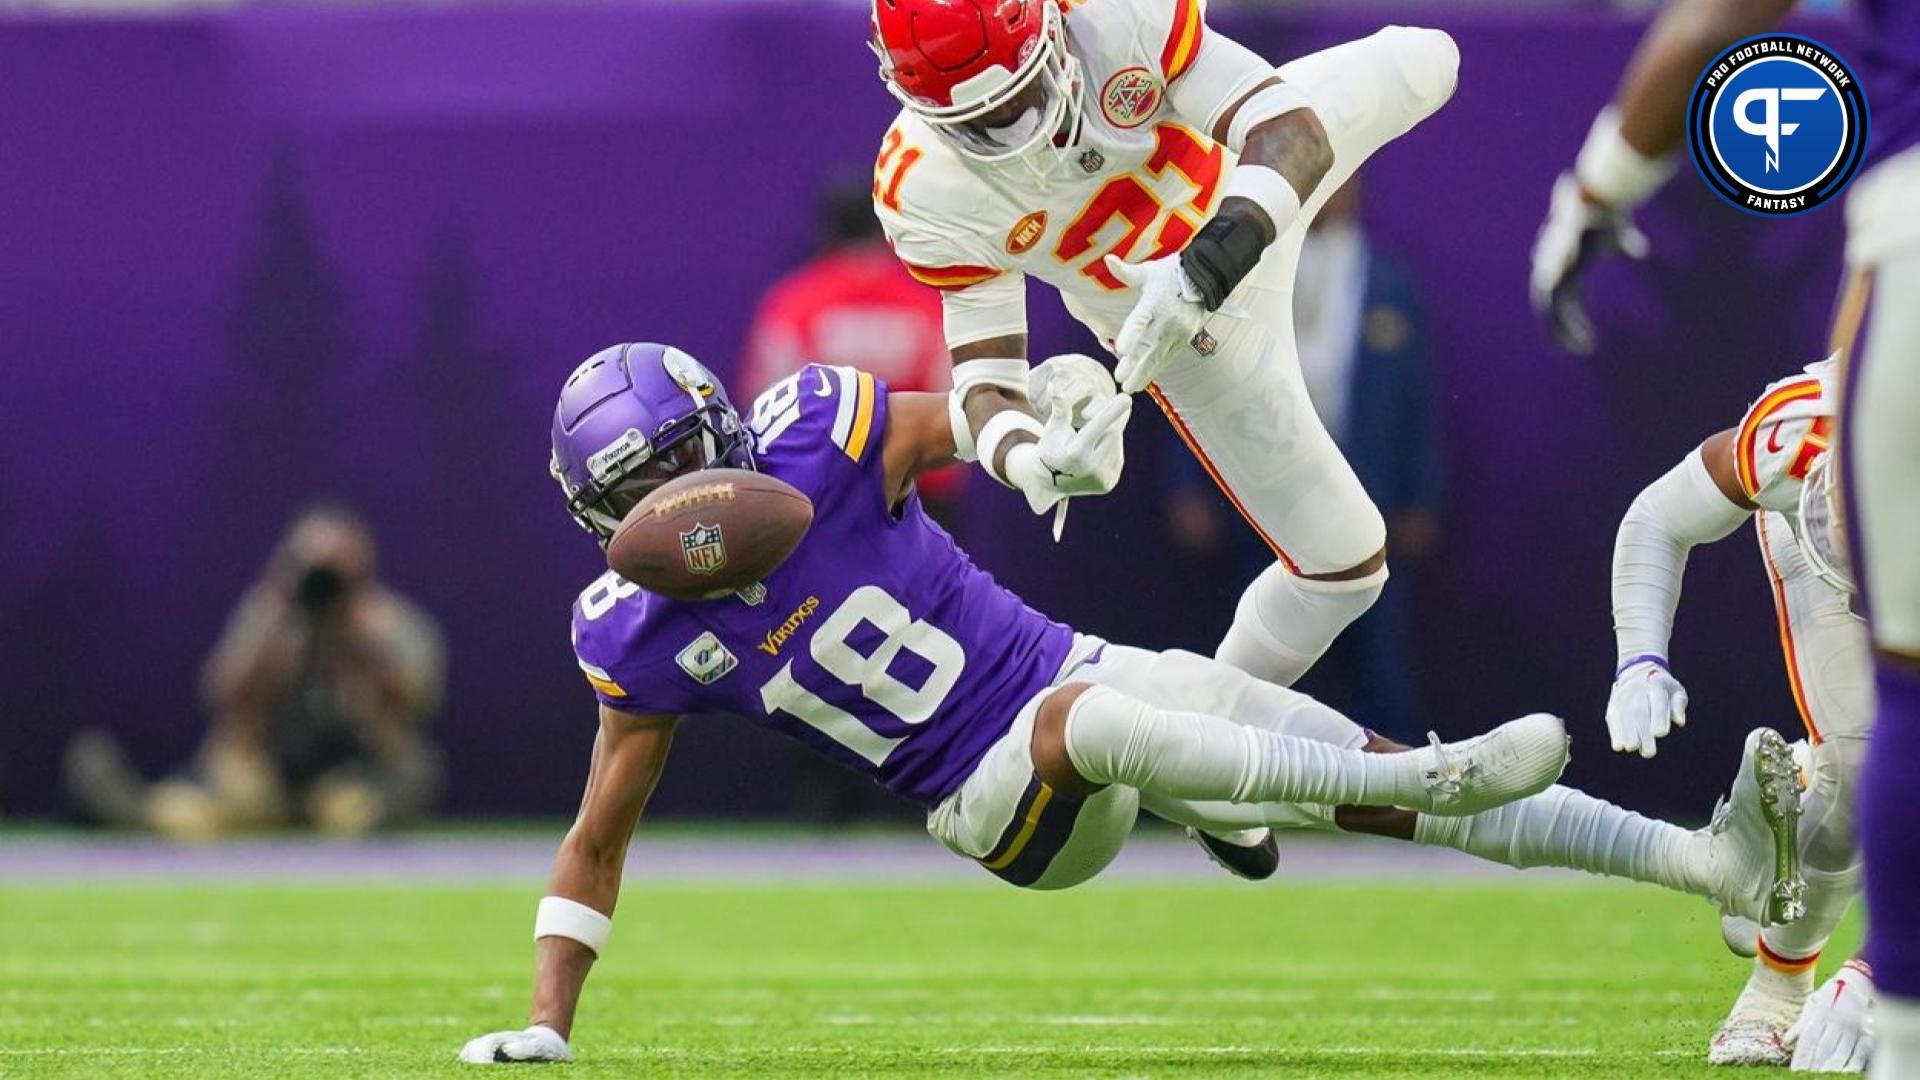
(1612,170)
(1269,191)
(1261,106)
(561,917)
(995,431)
(1005,374)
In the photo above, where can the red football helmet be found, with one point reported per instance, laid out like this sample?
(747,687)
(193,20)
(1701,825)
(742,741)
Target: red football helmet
(994,76)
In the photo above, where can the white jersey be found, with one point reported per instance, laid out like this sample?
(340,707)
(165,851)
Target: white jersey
(1139,183)
(1781,444)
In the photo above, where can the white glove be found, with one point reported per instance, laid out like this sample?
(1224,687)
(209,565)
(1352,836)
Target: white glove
(537,1043)
(1646,705)
(1070,381)
(1835,1029)
(1163,321)
(1576,234)
(1071,461)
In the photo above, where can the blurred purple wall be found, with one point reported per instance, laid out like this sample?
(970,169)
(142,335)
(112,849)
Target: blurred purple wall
(249,258)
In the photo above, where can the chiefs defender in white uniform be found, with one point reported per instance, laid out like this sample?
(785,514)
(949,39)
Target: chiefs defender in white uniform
(1161,176)
(1774,467)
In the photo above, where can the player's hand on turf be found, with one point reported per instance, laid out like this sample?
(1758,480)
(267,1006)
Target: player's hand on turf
(1577,232)
(1163,321)
(1835,1030)
(1646,705)
(1084,459)
(1074,382)
(537,1043)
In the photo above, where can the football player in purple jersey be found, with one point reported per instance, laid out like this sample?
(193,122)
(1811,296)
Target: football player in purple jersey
(881,645)
(1628,154)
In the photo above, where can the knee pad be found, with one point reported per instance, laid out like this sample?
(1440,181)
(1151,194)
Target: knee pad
(1290,606)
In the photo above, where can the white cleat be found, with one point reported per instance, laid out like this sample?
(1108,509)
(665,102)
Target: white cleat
(1753,1035)
(1835,1030)
(1752,846)
(1519,758)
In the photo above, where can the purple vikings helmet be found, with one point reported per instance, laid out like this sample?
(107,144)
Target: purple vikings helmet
(633,417)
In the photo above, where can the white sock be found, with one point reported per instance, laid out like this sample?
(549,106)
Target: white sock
(1569,828)
(1116,739)
(1285,622)
(1896,1038)
(1776,985)
(1828,897)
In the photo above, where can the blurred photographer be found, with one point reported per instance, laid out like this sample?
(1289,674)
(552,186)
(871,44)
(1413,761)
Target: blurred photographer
(319,691)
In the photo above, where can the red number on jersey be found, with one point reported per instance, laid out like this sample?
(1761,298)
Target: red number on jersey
(886,187)
(1124,197)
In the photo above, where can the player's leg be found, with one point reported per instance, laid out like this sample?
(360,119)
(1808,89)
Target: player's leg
(1022,829)
(1245,414)
(1880,441)
(1089,734)
(1829,672)
(1560,827)
(1243,408)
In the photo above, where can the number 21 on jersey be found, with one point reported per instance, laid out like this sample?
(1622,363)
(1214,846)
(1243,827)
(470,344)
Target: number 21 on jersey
(1128,200)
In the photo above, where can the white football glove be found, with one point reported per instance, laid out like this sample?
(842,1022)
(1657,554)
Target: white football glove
(1646,705)
(1078,461)
(537,1043)
(1575,235)
(1070,381)
(1835,1030)
(1163,321)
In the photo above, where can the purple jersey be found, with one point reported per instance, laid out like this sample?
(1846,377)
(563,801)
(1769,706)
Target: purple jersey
(1889,66)
(877,643)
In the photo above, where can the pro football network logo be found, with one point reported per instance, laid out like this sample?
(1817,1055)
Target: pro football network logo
(1777,124)
(705,549)
(1130,97)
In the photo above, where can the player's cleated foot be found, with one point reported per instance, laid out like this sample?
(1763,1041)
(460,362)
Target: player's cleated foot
(1519,758)
(1741,934)
(1753,1037)
(1255,861)
(1752,846)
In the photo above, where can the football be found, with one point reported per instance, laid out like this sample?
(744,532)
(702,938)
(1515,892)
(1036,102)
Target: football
(709,533)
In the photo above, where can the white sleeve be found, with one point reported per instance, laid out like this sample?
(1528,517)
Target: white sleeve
(1676,512)
(1222,72)
(993,308)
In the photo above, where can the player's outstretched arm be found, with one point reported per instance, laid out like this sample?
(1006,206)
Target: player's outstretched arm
(1079,449)
(1698,501)
(1629,154)
(574,920)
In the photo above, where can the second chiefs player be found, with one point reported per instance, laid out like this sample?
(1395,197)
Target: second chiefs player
(1162,177)
(1774,467)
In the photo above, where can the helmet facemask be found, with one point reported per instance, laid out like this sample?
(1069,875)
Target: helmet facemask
(627,471)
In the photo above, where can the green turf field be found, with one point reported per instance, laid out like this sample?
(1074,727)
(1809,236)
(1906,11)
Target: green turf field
(1459,979)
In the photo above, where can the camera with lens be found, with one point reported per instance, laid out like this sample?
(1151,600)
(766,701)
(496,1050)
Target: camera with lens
(321,589)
